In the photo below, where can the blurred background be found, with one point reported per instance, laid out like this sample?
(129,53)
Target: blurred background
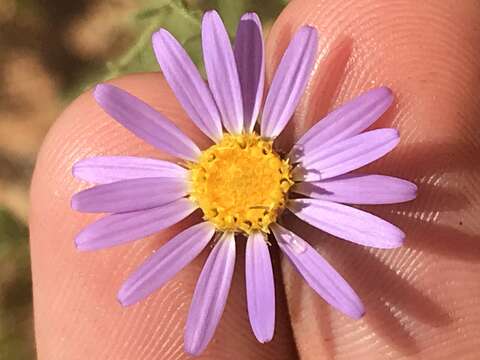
(51,51)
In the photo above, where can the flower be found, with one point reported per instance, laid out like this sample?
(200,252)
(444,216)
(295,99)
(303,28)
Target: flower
(241,183)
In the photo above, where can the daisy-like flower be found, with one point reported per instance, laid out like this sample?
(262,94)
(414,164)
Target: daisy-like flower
(241,183)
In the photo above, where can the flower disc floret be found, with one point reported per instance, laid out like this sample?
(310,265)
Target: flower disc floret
(241,183)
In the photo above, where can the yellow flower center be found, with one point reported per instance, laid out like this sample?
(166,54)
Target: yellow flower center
(240,183)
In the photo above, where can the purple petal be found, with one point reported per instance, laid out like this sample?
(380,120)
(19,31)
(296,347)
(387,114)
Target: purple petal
(348,120)
(129,195)
(249,55)
(108,169)
(210,295)
(145,122)
(319,274)
(222,72)
(187,84)
(348,223)
(289,82)
(347,155)
(360,189)
(165,263)
(260,287)
(123,227)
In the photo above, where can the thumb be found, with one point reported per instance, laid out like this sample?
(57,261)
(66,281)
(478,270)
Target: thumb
(421,300)
(77,315)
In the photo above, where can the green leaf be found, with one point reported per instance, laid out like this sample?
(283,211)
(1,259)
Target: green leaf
(231,11)
(182,18)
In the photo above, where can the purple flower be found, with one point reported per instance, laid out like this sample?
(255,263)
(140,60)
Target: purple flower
(240,183)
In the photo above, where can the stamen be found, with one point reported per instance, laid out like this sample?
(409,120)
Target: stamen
(240,184)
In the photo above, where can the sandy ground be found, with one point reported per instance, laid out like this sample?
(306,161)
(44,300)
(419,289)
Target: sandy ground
(45,49)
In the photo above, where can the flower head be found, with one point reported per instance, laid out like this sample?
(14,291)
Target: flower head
(241,183)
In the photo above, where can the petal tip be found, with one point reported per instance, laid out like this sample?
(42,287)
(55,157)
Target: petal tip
(383,90)
(122,297)
(156,37)
(159,35)
(382,96)
(100,90)
(158,43)
(210,15)
(191,349)
(250,16)
(74,203)
(81,242)
(356,309)
(395,132)
(413,190)
(358,313)
(161,32)
(85,240)
(394,137)
(309,30)
(75,169)
(386,95)
(263,337)
(387,90)
(263,341)
(398,240)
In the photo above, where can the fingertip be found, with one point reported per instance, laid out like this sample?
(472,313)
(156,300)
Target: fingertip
(431,76)
(85,286)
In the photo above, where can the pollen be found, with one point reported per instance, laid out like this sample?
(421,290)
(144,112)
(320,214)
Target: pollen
(241,183)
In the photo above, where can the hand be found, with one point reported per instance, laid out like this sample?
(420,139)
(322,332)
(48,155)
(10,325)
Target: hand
(422,300)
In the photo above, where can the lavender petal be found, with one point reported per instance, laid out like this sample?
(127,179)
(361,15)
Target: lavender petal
(167,261)
(129,195)
(187,84)
(319,274)
(145,122)
(359,189)
(124,227)
(345,156)
(289,82)
(348,223)
(260,287)
(249,55)
(210,295)
(348,120)
(108,169)
(222,72)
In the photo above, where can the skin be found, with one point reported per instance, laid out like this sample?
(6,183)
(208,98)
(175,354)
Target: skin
(422,300)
